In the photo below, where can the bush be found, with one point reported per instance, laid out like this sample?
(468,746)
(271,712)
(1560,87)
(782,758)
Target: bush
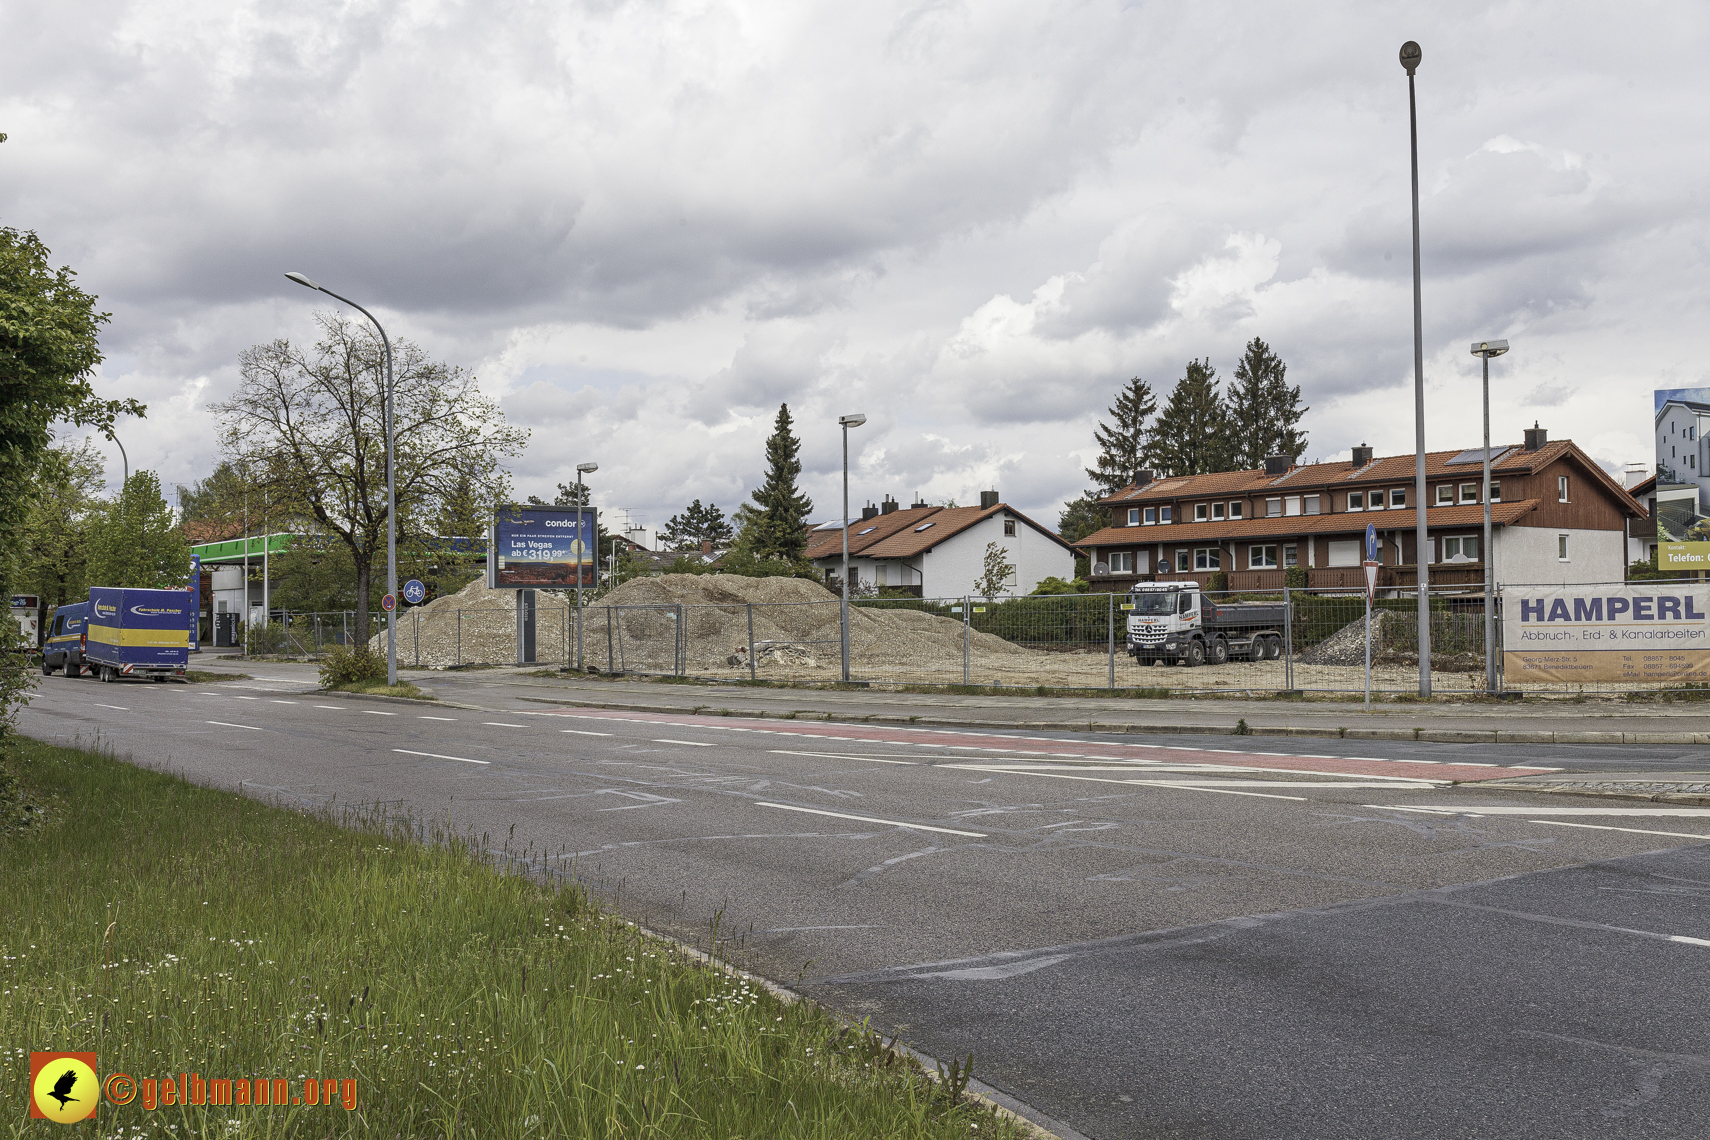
(1217,581)
(269,638)
(1295,577)
(347,665)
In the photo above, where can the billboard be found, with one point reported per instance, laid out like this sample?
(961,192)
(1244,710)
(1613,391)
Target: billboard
(1634,633)
(1683,483)
(549,548)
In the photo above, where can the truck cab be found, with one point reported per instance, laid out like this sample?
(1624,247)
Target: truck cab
(1174,622)
(67,641)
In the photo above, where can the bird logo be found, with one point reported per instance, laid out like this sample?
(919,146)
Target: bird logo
(63,1086)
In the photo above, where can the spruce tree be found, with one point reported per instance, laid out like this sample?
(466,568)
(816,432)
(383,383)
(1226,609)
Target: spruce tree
(1122,440)
(1264,409)
(1192,435)
(780,531)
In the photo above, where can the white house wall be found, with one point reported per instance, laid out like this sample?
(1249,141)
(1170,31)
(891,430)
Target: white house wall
(1526,555)
(950,569)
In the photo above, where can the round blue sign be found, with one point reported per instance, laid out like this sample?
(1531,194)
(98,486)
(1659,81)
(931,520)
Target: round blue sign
(414,592)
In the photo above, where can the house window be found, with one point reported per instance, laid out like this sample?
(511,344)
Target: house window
(1356,500)
(1291,505)
(1217,512)
(1446,495)
(1208,558)
(1562,546)
(1469,492)
(1150,516)
(1164,514)
(1009,528)
(1290,555)
(1273,508)
(1184,561)
(1496,490)
(1460,548)
(1201,512)
(1397,497)
(1122,562)
(1261,558)
(1562,490)
(1134,516)
(1235,510)
(1374,500)
(1310,505)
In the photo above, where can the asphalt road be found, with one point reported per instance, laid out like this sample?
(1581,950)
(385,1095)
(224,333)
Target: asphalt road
(1137,937)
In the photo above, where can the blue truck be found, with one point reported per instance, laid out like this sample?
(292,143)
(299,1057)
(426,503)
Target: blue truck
(121,633)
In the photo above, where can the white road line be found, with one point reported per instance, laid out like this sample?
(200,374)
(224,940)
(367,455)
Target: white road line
(690,743)
(841,756)
(1475,809)
(284,702)
(223,724)
(502,724)
(437,756)
(377,712)
(239,697)
(335,708)
(121,708)
(582,732)
(452,719)
(1689,941)
(870,819)
(1634,830)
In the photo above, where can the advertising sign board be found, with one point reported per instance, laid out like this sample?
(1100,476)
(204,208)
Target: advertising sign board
(1683,477)
(1635,633)
(542,548)
(1683,556)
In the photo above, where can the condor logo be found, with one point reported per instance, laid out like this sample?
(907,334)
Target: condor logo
(1659,607)
(152,611)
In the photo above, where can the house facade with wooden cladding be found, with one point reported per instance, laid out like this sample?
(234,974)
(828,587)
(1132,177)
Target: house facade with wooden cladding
(1556,517)
(940,551)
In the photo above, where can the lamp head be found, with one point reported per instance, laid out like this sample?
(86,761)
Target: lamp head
(854,419)
(585,468)
(1489,348)
(1410,55)
(303,280)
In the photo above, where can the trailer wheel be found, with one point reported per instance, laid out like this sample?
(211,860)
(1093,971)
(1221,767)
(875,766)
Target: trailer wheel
(1194,654)
(71,668)
(1219,654)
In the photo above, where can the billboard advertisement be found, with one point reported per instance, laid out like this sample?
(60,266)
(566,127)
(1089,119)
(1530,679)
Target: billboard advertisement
(1635,633)
(549,548)
(1683,484)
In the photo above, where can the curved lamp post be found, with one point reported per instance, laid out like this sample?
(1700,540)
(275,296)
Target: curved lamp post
(846,422)
(1410,56)
(391,490)
(1487,349)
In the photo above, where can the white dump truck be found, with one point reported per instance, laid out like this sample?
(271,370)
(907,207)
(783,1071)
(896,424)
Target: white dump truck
(1174,622)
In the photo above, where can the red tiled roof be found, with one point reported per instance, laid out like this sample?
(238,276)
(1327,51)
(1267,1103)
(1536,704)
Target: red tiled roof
(1350,522)
(946,522)
(864,533)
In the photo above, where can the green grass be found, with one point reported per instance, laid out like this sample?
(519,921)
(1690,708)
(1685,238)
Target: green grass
(174,928)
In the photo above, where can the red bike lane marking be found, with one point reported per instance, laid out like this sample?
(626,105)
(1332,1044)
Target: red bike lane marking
(1141,755)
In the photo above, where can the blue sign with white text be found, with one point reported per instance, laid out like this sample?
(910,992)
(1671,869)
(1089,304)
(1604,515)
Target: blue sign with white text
(544,547)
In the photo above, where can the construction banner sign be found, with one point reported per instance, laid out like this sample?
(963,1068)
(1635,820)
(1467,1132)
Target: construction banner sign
(1638,634)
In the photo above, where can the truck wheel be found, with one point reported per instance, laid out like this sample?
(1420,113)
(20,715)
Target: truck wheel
(71,668)
(1194,654)
(47,670)
(1219,654)
(1273,648)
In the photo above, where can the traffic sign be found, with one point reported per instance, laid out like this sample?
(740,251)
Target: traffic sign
(1371,544)
(388,603)
(414,591)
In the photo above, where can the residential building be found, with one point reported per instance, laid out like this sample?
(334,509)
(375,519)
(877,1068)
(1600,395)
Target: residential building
(1683,481)
(1558,517)
(940,551)
(1642,532)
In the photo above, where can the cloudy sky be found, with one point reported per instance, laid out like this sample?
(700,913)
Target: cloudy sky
(643,225)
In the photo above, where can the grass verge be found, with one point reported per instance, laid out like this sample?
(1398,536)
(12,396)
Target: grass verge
(202,676)
(382,689)
(172,928)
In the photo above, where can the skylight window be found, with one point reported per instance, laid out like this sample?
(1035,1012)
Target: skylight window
(922,527)
(869,530)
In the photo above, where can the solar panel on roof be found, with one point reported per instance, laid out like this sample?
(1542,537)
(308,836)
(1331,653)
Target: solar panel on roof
(1476,454)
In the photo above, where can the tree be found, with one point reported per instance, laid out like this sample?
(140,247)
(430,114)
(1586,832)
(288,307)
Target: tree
(1122,440)
(1081,517)
(1264,410)
(995,572)
(54,552)
(780,531)
(218,498)
(697,525)
(310,428)
(134,541)
(1192,434)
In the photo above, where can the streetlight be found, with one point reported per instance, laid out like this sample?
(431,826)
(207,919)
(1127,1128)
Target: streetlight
(1486,349)
(123,456)
(581,507)
(391,490)
(1410,56)
(855,419)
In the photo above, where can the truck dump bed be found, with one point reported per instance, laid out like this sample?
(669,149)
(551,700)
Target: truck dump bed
(134,631)
(1232,615)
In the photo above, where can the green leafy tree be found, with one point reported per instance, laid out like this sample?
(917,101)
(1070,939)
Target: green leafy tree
(54,551)
(995,571)
(1122,439)
(1264,409)
(1192,434)
(309,425)
(218,498)
(135,541)
(779,533)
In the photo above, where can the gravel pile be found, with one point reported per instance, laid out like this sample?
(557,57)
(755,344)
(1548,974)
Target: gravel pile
(1347,646)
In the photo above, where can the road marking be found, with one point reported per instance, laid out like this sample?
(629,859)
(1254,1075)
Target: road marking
(377,712)
(870,819)
(1689,941)
(335,708)
(437,756)
(121,708)
(223,724)
(452,719)
(502,724)
(1605,827)
(284,702)
(690,743)
(841,756)
(580,732)
(1475,809)
(236,696)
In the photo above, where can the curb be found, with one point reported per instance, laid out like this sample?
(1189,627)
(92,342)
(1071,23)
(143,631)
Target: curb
(1685,799)
(1427,735)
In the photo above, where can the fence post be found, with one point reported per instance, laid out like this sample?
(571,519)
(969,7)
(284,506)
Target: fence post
(682,646)
(1288,640)
(967,636)
(1111,619)
(460,637)
(344,620)
(752,675)
(418,636)
(611,658)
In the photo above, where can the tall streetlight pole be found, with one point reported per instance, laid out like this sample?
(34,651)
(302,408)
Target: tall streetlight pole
(1410,56)
(125,458)
(581,515)
(846,422)
(391,489)
(1485,349)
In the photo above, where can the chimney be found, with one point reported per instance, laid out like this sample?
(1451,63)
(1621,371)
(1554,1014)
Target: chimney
(918,502)
(988,500)
(706,548)
(888,505)
(869,511)
(1143,477)
(1279,464)
(1536,436)
(1362,455)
